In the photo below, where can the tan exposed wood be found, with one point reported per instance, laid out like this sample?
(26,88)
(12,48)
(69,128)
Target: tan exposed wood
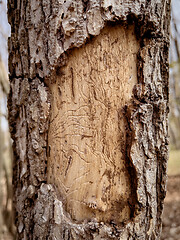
(87,131)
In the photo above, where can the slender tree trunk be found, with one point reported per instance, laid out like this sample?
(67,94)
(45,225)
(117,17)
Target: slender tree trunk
(88,113)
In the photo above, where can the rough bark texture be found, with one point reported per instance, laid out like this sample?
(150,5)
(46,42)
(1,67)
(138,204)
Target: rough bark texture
(42,34)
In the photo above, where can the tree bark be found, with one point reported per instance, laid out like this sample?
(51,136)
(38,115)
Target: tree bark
(88,111)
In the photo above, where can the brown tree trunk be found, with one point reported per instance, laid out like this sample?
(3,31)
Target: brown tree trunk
(88,113)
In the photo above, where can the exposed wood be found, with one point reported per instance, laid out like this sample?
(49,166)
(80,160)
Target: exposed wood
(87,132)
(46,82)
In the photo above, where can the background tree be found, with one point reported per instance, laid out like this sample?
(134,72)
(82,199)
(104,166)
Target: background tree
(6,219)
(174,78)
(92,120)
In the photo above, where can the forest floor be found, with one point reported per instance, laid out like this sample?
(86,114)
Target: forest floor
(171,214)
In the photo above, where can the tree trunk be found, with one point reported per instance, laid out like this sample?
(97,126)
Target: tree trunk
(88,113)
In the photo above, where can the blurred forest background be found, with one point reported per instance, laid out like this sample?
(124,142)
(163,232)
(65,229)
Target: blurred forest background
(171,219)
